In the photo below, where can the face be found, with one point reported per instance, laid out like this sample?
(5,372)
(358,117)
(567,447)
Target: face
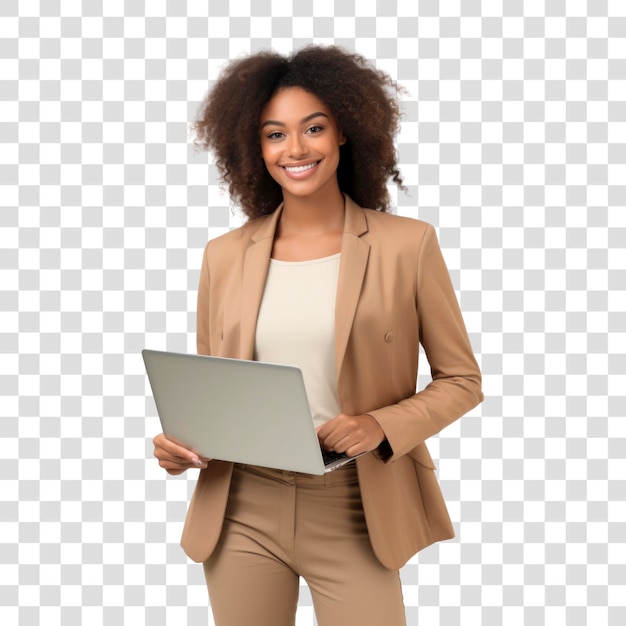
(300,143)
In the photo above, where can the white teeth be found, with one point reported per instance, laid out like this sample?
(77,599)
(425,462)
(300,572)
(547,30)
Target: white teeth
(300,168)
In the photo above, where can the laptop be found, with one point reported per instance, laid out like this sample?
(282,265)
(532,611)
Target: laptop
(235,410)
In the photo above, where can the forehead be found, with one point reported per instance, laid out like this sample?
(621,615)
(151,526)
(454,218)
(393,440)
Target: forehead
(293,103)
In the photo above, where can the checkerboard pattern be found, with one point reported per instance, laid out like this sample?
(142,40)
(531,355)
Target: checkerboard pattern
(513,145)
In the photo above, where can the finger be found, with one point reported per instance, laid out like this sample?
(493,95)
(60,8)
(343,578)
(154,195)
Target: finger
(328,442)
(334,435)
(331,425)
(177,451)
(180,466)
(166,464)
(175,471)
(172,446)
(355,450)
(337,442)
(324,431)
(181,458)
(186,463)
(331,428)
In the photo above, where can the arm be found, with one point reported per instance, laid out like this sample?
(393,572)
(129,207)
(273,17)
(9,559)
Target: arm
(456,378)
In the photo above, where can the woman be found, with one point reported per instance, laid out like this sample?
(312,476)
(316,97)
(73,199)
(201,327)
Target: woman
(347,294)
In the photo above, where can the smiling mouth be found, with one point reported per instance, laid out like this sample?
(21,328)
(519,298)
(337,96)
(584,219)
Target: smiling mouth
(300,168)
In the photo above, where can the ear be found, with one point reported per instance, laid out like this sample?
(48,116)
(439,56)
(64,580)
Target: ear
(342,138)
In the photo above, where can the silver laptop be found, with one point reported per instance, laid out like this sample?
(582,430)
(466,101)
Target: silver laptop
(235,410)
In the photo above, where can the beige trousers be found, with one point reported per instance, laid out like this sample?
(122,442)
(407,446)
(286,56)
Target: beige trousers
(282,525)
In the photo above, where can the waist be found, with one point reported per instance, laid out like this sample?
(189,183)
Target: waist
(343,475)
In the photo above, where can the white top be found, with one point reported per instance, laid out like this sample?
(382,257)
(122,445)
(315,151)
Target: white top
(296,326)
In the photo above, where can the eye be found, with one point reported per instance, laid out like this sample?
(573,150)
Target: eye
(276,134)
(316,128)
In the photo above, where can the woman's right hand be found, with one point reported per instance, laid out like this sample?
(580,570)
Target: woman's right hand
(174,458)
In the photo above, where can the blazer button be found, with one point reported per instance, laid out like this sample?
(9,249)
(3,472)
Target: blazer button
(389,337)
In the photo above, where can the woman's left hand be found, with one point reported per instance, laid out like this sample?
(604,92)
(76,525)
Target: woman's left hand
(351,434)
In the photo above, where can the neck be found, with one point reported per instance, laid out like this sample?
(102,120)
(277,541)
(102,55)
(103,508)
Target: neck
(310,215)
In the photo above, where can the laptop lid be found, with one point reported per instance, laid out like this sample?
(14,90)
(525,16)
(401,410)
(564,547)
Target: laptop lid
(235,410)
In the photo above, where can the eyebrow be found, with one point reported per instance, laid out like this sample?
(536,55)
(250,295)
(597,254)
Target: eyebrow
(302,121)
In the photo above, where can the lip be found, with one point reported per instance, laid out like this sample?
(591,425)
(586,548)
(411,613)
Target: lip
(309,168)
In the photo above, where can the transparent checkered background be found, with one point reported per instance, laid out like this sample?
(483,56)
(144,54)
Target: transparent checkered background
(513,146)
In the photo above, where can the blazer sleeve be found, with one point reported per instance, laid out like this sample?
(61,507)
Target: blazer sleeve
(456,377)
(203,342)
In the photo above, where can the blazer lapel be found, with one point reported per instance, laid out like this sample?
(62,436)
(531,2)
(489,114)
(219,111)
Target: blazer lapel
(255,268)
(354,256)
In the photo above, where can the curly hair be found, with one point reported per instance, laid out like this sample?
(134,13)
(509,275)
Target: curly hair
(362,99)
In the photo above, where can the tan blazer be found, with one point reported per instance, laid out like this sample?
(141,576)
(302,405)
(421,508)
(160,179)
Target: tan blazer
(393,292)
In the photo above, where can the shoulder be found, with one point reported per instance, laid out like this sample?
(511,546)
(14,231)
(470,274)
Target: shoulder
(391,220)
(387,226)
(237,239)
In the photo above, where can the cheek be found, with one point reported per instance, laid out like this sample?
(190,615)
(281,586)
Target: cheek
(269,158)
(269,155)
(334,151)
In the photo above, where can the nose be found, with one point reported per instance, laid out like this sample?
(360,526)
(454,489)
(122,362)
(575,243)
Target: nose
(297,146)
